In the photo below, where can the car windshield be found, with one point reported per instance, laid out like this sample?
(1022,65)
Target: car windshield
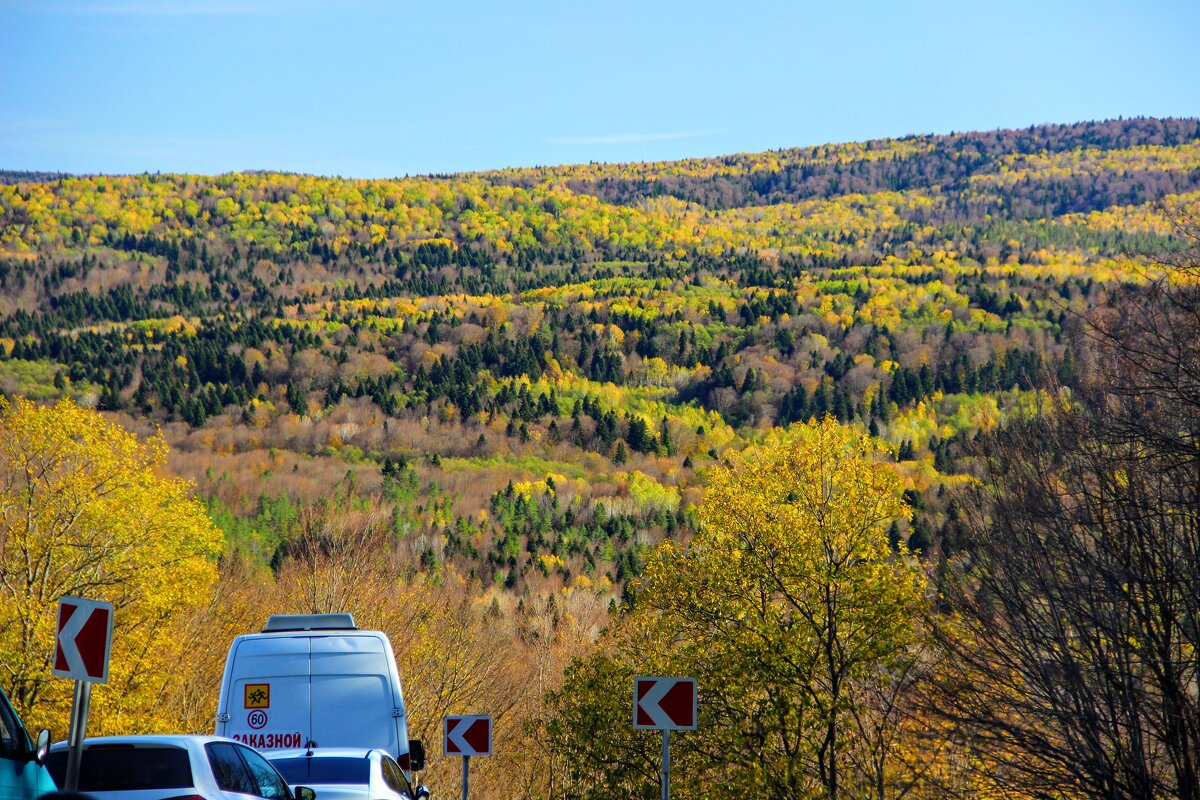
(305,770)
(117,768)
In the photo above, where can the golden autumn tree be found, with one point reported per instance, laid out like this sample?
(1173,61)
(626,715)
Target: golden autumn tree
(85,510)
(792,609)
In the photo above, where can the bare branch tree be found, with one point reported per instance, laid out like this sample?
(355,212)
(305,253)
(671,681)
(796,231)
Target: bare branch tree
(1078,589)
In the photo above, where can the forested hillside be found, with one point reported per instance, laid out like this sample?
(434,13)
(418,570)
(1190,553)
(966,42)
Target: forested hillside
(515,383)
(532,368)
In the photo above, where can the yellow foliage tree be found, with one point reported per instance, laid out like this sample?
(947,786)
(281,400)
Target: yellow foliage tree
(85,511)
(792,609)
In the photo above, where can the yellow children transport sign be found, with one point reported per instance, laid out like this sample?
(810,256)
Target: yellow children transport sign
(257,695)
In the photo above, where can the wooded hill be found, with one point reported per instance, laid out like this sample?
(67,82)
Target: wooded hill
(527,372)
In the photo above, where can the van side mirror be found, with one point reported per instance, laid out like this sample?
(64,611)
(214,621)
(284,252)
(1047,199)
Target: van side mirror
(304,793)
(416,755)
(42,747)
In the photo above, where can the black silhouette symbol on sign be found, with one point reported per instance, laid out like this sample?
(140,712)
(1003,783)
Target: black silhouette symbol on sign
(256,695)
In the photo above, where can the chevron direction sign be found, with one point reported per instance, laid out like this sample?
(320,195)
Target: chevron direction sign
(84,639)
(469,735)
(664,704)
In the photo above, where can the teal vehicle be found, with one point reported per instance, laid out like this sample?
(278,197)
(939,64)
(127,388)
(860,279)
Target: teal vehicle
(23,774)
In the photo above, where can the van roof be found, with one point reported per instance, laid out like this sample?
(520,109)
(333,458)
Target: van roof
(278,623)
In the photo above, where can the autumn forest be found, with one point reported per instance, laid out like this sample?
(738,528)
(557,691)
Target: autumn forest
(891,444)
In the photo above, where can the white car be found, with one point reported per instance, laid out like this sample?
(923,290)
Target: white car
(346,773)
(175,767)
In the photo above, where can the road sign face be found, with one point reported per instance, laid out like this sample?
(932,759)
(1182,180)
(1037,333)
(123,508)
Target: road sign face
(84,639)
(469,735)
(256,695)
(664,704)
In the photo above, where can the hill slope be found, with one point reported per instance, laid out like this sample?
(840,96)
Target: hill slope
(525,372)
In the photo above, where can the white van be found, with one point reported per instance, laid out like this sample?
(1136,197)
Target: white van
(315,680)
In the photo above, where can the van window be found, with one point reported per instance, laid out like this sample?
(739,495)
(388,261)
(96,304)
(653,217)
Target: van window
(123,769)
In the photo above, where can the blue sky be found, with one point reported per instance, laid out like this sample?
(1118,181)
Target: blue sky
(390,87)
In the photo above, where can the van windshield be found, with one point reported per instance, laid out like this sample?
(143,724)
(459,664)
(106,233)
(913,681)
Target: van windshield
(125,768)
(306,770)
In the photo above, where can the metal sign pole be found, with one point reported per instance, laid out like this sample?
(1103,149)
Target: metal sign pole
(666,764)
(466,775)
(79,717)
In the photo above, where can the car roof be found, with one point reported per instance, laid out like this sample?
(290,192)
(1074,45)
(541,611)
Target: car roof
(336,633)
(150,740)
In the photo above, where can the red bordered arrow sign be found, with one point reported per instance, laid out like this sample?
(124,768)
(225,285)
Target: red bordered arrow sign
(665,704)
(469,735)
(84,639)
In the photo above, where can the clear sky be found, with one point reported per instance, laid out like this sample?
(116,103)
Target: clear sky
(381,88)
